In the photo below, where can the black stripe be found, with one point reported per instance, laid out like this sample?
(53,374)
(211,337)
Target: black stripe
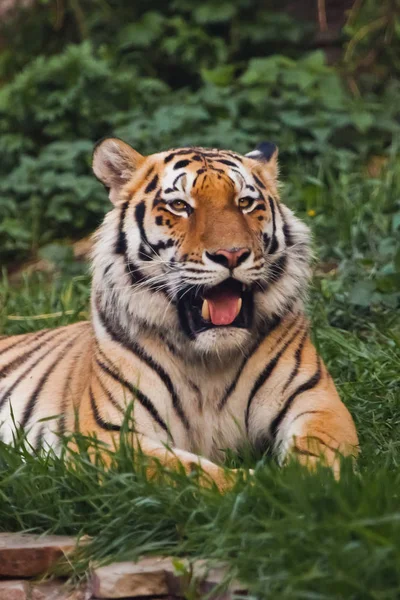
(39,439)
(140,211)
(120,245)
(188,150)
(181,164)
(174,351)
(31,404)
(10,390)
(64,395)
(151,186)
(22,340)
(297,359)
(297,450)
(233,155)
(304,387)
(258,181)
(177,178)
(142,398)
(132,270)
(286,229)
(158,199)
(199,172)
(110,397)
(194,270)
(274,323)
(274,243)
(149,172)
(122,338)
(144,253)
(99,420)
(266,373)
(226,162)
(19,360)
(307,412)
(277,269)
(288,235)
(135,274)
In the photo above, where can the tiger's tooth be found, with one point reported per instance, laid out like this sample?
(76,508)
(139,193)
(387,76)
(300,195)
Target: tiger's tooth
(205,311)
(240,302)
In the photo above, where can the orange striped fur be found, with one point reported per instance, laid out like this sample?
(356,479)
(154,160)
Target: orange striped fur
(199,278)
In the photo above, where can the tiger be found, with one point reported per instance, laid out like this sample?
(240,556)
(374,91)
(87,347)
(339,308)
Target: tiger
(199,288)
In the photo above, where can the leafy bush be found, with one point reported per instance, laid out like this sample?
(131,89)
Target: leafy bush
(227,75)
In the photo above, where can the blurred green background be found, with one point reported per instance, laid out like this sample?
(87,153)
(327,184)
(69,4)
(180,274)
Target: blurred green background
(318,77)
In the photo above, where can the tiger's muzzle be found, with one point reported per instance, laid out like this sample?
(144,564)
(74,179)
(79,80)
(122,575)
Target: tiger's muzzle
(228,304)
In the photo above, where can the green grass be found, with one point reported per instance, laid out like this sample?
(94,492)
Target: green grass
(288,533)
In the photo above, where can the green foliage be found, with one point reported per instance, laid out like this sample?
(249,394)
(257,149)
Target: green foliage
(372,52)
(226,76)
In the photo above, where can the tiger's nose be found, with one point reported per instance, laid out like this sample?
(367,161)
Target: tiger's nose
(229,258)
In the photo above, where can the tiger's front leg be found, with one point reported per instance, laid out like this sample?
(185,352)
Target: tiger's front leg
(152,454)
(317,434)
(175,459)
(301,414)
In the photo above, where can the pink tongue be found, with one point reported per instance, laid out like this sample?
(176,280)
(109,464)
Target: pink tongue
(223,306)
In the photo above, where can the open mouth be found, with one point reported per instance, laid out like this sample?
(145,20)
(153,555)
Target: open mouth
(228,304)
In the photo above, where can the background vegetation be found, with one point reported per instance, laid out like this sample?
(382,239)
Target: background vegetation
(322,80)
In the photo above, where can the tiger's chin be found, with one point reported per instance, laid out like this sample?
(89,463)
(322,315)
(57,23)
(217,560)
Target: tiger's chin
(217,318)
(222,342)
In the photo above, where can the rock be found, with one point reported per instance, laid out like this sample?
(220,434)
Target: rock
(25,555)
(127,579)
(58,590)
(151,576)
(14,590)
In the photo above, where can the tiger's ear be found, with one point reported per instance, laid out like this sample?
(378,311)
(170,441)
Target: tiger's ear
(266,153)
(114,163)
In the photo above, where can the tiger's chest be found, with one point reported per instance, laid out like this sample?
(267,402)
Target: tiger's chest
(213,426)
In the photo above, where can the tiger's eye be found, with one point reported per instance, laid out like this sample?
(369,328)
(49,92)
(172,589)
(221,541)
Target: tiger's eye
(245,202)
(179,205)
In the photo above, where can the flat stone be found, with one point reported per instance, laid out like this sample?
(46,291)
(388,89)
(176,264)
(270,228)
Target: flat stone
(26,555)
(14,590)
(158,575)
(58,590)
(147,577)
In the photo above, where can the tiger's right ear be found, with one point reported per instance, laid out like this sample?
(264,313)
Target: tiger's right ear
(114,163)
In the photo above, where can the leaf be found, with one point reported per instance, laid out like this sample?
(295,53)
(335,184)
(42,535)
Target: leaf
(397,260)
(222,75)
(261,70)
(362,120)
(396,222)
(143,33)
(315,60)
(361,293)
(214,12)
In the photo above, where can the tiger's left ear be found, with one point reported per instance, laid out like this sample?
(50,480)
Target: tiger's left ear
(266,153)
(114,163)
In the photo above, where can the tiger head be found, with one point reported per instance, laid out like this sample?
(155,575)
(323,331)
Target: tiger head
(198,244)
